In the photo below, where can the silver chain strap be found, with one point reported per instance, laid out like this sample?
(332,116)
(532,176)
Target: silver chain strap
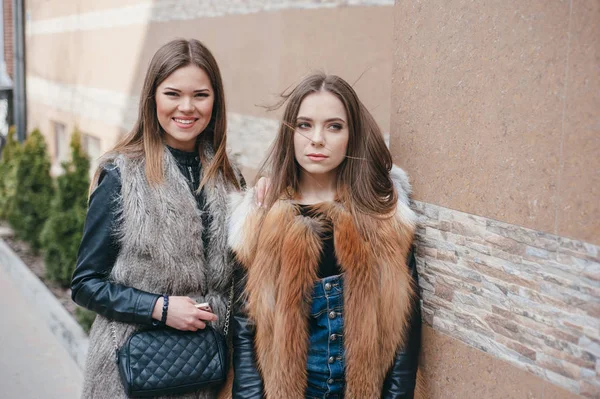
(114,335)
(225,327)
(229,304)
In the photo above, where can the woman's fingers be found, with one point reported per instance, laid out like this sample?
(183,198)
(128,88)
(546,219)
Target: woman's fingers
(197,325)
(262,189)
(199,319)
(207,316)
(200,325)
(183,314)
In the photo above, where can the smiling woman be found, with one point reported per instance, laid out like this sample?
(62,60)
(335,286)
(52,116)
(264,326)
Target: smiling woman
(154,242)
(184,104)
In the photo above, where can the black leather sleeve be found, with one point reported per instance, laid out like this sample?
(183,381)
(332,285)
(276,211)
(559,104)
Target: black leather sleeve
(401,378)
(98,252)
(247,381)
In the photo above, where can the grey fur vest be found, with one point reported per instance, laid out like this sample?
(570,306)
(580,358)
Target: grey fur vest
(162,251)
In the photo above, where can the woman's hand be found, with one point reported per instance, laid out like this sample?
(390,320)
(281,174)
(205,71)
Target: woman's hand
(262,189)
(183,314)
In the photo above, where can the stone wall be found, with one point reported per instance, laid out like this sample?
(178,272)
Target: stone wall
(524,296)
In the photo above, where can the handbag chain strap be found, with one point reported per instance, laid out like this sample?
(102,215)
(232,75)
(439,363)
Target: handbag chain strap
(229,304)
(114,335)
(225,327)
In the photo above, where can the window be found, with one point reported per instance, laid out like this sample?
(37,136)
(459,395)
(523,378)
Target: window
(61,146)
(93,147)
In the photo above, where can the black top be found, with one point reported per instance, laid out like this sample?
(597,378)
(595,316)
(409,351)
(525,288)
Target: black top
(100,247)
(328,264)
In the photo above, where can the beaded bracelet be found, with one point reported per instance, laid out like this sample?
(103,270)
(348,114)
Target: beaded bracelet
(163,319)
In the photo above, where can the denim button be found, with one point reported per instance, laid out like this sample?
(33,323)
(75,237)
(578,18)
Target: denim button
(331,359)
(332,337)
(332,315)
(327,286)
(330,381)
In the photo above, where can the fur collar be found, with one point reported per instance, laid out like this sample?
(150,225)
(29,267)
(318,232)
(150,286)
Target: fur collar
(281,250)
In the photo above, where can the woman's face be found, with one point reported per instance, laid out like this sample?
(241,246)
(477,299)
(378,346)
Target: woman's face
(184,104)
(321,135)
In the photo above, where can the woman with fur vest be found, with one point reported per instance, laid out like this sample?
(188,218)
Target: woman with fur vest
(154,243)
(331,305)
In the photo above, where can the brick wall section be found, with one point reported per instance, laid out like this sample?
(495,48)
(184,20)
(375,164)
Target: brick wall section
(8,37)
(527,297)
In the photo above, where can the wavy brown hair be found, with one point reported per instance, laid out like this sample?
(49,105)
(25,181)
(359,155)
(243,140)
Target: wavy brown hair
(146,139)
(363,178)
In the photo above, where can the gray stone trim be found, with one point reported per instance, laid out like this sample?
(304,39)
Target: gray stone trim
(524,296)
(248,137)
(111,107)
(63,326)
(177,10)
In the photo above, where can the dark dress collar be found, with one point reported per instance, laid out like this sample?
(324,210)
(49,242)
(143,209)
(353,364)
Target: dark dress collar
(184,157)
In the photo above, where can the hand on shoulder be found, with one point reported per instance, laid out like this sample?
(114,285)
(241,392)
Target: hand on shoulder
(261,190)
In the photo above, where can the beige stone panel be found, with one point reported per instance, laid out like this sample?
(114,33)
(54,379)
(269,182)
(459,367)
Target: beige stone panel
(88,58)
(578,210)
(355,44)
(451,369)
(477,105)
(44,9)
(262,54)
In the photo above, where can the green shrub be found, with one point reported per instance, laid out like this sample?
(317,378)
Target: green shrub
(10,156)
(63,229)
(85,318)
(29,208)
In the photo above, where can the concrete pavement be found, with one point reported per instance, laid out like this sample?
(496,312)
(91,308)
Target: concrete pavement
(33,364)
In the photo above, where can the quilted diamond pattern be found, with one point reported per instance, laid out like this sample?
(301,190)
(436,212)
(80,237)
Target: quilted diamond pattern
(163,361)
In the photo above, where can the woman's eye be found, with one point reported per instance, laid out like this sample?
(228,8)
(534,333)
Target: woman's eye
(202,95)
(302,125)
(170,94)
(335,126)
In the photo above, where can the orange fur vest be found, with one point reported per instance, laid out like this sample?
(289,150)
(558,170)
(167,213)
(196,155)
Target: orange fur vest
(281,249)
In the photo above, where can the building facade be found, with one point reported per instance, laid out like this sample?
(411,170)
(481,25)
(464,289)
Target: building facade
(491,107)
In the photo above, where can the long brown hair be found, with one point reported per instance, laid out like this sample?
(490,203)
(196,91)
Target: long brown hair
(363,178)
(146,137)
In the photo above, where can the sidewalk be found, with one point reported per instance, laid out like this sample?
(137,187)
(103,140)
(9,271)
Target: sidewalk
(33,364)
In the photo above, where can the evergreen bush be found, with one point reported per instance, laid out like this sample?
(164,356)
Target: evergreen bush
(85,318)
(10,156)
(29,208)
(63,229)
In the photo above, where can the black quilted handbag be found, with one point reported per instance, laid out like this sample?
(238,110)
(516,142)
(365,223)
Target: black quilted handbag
(166,361)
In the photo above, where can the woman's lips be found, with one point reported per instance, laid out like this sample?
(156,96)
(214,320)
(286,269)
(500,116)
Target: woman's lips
(317,157)
(185,123)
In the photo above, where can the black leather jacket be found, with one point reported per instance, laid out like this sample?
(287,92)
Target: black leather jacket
(399,382)
(100,247)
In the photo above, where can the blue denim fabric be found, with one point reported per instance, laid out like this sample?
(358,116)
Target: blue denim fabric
(326,364)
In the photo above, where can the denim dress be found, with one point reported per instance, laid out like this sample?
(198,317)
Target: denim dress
(326,363)
(325,366)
